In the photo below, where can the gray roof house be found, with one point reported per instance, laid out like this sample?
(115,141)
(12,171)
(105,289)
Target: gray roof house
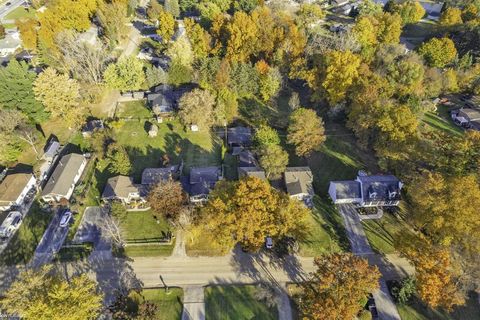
(239,136)
(51,150)
(151,176)
(14,188)
(367,191)
(252,172)
(201,182)
(246,158)
(160,100)
(122,188)
(299,183)
(62,182)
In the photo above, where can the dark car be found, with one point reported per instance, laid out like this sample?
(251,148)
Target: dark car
(8,3)
(372,307)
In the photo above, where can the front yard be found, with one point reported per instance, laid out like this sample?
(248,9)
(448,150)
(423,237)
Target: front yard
(169,303)
(236,303)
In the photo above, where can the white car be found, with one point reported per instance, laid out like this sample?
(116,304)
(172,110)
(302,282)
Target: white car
(268,243)
(66,217)
(10,224)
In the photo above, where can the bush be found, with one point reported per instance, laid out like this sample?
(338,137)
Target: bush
(404,290)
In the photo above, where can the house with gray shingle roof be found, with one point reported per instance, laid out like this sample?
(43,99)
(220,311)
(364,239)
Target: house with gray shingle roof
(299,183)
(122,188)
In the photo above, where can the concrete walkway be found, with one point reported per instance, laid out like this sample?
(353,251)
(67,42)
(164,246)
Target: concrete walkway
(179,248)
(193,303)
(360,246)
(283,304)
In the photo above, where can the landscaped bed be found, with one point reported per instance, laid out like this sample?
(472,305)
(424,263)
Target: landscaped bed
(169,303)
(236,303)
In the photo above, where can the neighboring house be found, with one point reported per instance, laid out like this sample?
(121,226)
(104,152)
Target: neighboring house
(201,182)
(252,172)
(467,117)
(91,126)
(433,10)
(62,182)
(239,136)
(51,150)
(160,102)
(367,191)
(10,43)
(299,183)
(122,188)
(246,158)
(14,188)
(152,176)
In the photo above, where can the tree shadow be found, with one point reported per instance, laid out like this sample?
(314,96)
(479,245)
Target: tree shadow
(333,223)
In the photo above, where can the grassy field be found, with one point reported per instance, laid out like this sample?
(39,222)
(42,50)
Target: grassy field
(23,244)
(236,303)
(326,233)
(133,110)
(20,12)
(416,310)
(169,304)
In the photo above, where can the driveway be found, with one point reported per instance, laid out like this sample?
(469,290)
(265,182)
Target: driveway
(51,242)
(90,229)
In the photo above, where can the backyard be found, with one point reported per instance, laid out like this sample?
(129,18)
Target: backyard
(142,230)
(169,303)
(236,303)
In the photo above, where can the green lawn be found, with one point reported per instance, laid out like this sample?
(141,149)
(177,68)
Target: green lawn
(74,253)
(326,233)
(236,303)
(416,310)
(441,121)
(134,110)
(148,250)
(20,12)
(23,244)
(143,226)
(169,304)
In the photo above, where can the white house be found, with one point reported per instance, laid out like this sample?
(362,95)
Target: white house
(62,182)
(14,188)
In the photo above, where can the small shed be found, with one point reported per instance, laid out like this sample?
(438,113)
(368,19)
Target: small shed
(153,131)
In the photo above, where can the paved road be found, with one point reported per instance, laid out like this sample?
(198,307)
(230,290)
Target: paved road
(385,306)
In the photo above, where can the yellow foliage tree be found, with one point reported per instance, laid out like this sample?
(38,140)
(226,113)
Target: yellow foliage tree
(28,32)
(242,37)
(166,25)
(451,16)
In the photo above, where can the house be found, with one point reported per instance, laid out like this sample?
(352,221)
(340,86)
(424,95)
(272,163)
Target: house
(14,189)
(466,117)
(160,102)
(252,172)
(62,182)
(246,158)
(201,181)
(123,189)
(152,176)
(10,43)
(367,191)
(433,10)
(51,150)
(91,126)
(299,183)
(239,136)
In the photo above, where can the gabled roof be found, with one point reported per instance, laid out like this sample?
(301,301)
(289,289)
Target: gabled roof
(155,175)
(347,189)
(13,185)
(62,177)
(51,149)
(378,187)
(298,180)
(253,172)
(239,135)
(205,174)
(246,158)
(119,187)
(470,114)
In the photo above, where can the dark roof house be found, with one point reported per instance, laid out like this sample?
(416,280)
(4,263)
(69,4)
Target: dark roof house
(201,182)
(151,176)
(92,126)
(246,158)
(239,136)
(252,172)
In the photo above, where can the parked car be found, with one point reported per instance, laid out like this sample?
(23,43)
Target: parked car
(10,224)
(372,307)
(8,4)
(66,217)
(268,243)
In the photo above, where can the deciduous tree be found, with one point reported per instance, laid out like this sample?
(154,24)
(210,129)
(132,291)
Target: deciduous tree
(451,16)
(242,36)
(126,74)
(166,26)
(438,52)
(167,198)
(338,286)
(305,131)
(119,160)
(113,19)
(172,7)
(265,136)
(27,27)
(196,108)
(273,159)
(200,39)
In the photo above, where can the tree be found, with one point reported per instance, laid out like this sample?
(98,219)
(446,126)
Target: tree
(43,295)
(126,74)
(249,210)
(166,26)
(181,52)
(369,8)
(16,91)
(294,101)
(179,74)
(199,38)
(60,95)
(451,16)
(119,160)
(172,7)
(27,27)
(273,159)
(242,35)
(167,198)
(111,225)
(113,19)
(404,290)
(196,108)
(155,76)
(406,75)
(10,143)
(187,5)
(2,32)
(309,14)
(470,12)
(270,82)
(410,11)
(265,136)
(338,287)
(339,71)
(438,52)
(305,131)
(245,5)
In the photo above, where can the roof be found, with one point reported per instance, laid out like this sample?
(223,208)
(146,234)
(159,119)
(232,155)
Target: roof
(62,177)
(253,172)
(470,114)
(377,187)
(119,186)
(13,185)
(239,135)
(299,180)
(475,125)
(159,103)
(92,125)
(246,158)
(347,189)
(51,149)
(205,174)
(155,175)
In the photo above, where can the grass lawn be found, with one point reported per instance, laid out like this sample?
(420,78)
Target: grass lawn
(416,310)
(20,12)
(23,244)
(142,226)
(74,253)
(149,250)
(326,233)
(134,110)
(169,304)
(236,303)
(441,121)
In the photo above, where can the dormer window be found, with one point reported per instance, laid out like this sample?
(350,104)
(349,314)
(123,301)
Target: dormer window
(372,195)
(392,194)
